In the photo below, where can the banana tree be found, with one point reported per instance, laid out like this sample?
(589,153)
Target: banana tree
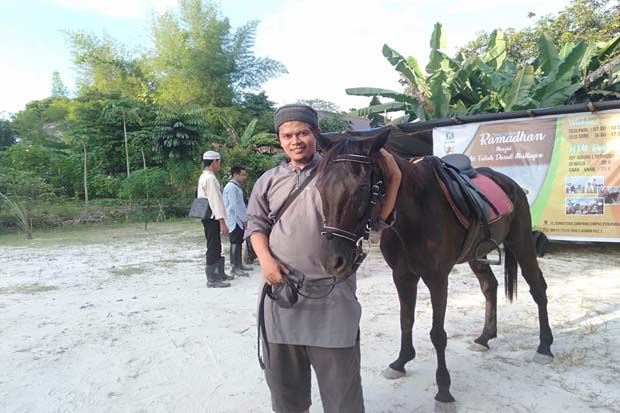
(466,85)
(249,137)
(447,87)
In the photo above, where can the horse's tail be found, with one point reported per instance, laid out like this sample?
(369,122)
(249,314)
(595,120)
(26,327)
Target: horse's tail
(510,274)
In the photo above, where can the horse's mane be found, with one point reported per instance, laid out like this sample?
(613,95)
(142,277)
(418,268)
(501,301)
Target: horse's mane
(416,177)
(341,147)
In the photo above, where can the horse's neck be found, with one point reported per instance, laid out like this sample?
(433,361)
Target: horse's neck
(415,174)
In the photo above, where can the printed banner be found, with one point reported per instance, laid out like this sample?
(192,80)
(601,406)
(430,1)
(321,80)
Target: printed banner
(568,165)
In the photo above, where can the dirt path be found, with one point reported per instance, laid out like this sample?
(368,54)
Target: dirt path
(113,319)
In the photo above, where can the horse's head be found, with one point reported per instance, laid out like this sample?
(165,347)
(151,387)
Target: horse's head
(351,188)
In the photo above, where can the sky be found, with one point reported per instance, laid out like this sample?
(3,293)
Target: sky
(326,45)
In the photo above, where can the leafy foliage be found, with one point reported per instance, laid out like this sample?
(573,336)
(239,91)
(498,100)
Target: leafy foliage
(179,134)
(146,184)
(59,90)
(106,66)
(20,191)
(255,163)
(183,175)
(199,59)
(138,110)
(7,135)
(591,21)
(492,82)
(33,123)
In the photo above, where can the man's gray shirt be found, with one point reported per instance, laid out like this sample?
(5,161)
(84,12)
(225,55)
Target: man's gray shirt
(296,238)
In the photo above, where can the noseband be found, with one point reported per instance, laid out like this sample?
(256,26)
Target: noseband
(376,194)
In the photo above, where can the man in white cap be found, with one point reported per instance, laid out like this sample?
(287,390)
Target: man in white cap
(215,225)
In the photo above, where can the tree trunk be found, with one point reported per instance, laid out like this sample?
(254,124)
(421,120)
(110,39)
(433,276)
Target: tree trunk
(85,178)
(143,159)
(126,146)
(148,212)
(607,69)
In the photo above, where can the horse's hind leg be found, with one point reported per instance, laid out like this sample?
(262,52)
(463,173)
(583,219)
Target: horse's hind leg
(438,287)
(488,285)
(407,287)
(526,256)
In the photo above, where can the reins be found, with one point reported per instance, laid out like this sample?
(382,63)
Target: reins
(286,295)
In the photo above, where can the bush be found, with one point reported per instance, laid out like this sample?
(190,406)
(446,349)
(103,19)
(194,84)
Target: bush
(147,185)
(184,176)
(20,192)
(101,186)
(255,163)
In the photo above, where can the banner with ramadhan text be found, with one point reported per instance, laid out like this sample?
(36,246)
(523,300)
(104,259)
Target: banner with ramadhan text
(568,165)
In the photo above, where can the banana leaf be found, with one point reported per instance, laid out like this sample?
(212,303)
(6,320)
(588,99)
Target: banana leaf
(378,109)
(548,59)
(373,91)
(496,50)
(519,90)
(409,68)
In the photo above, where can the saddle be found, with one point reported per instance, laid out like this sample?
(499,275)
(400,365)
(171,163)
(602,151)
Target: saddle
(476,200)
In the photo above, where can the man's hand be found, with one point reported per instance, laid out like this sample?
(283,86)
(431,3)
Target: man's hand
(223,227)
(272,271)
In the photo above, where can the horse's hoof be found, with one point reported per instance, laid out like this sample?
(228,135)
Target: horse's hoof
(441,407)
(542,358)
(391,374)
(478,347)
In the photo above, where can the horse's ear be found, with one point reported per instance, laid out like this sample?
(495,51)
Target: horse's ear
(324,142)
(375,143)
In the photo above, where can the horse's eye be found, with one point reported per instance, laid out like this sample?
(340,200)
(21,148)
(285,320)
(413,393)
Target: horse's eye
(363,187)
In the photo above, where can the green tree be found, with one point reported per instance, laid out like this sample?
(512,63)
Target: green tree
(58,87)
(331,117)
(256,106)
(581,20)
(148,185)
(105,65)
(320,104)
(179,134)
(199,59)
(99,116)
(465,85)
(123,111)
(183,177)
(38,122)
(7,135)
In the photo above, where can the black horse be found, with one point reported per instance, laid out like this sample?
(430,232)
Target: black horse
(426,241)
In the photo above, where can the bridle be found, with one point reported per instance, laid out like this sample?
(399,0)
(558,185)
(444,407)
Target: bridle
(376,195)
(286,294)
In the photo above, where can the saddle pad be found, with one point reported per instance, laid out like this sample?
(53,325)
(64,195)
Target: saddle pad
(491,191)
(496,196)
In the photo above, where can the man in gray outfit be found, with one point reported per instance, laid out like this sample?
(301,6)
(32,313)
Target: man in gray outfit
(322,333)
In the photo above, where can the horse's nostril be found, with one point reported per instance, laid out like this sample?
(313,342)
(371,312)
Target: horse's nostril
(339,263)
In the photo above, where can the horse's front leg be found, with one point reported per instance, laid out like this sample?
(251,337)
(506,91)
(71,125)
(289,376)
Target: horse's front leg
(438,287)
(407,287)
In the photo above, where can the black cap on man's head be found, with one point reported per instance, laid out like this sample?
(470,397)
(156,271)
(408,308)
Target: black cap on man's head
(301,113)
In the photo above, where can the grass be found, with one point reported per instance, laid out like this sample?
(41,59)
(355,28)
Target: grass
(81,234)
(127,271)
(27,289)
(575,357)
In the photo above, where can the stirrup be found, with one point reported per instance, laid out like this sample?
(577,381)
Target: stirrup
(495,245)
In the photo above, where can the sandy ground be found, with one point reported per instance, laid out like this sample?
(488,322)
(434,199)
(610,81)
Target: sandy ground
(116,319)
